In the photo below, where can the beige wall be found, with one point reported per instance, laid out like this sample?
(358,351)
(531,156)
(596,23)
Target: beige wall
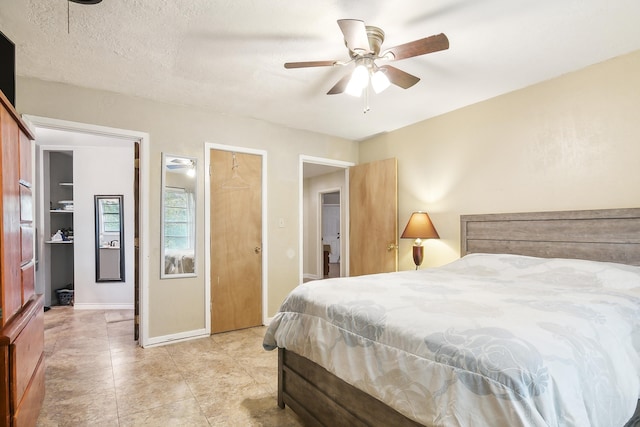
(569,143)
(176,305)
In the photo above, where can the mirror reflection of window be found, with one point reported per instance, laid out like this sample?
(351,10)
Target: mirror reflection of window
(110,224)
(178,216)
(179,229)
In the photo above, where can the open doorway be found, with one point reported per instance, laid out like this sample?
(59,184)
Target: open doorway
(129,150)
(320,176)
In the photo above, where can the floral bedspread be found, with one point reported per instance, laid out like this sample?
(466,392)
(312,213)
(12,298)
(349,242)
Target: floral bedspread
(488,340)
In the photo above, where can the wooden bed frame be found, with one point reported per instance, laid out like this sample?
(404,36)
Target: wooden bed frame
(612,235)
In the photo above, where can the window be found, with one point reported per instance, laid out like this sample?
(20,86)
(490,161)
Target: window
(178,211)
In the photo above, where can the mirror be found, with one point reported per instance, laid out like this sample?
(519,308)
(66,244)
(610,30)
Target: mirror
(109,235)
(178,242)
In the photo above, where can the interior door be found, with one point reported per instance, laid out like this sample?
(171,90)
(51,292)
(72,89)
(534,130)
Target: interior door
(136,242)
(373,217)
(236,240)
(331,230)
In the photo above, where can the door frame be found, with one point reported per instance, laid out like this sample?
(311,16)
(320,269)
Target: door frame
(208,146)
(340,164)
(144,143)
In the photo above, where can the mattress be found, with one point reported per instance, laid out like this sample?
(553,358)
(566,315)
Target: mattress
(487,340)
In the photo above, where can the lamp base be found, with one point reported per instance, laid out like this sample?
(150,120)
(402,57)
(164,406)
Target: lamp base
(418,255)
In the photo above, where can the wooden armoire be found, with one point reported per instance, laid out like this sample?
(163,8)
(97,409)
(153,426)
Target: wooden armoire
(22,311)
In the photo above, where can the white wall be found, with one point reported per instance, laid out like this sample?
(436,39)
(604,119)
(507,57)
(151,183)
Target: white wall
(95,174)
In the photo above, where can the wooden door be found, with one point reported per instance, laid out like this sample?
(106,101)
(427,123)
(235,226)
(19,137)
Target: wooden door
(136,241)
(373,217)
(236,240)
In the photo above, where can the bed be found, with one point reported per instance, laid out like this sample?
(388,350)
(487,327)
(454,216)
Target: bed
(179,262)
(532,335)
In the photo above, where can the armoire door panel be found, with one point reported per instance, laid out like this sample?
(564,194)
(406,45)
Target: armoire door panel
(25,160)
(26,204)
(26,243)
(27,273)
(27,349)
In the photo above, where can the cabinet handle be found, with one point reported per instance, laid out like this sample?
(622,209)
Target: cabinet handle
(257,249)
(391,246)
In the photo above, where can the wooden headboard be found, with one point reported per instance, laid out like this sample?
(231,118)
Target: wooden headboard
(611,235)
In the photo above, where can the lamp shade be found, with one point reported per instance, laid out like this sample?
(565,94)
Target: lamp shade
(359,80)
(420,227)
(379,81)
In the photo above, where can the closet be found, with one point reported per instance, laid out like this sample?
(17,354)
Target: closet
(21,309)
(58,256)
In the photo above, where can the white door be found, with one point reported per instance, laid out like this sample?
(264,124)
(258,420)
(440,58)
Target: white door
(331,230)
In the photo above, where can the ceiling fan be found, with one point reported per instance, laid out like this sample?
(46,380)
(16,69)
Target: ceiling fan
(364,43)
(181,165)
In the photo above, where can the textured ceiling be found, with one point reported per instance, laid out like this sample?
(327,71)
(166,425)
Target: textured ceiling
(228,55)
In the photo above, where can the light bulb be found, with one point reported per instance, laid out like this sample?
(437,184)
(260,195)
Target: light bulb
(359,80)
(379,81)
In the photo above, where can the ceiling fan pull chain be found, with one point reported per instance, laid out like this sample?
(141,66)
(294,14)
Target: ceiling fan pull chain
(365,99)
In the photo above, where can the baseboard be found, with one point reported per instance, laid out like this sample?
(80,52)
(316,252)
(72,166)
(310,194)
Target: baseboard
(90,306)
(179,337)
(311,277)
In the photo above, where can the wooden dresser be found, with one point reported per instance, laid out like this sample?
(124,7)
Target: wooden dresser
(22,316)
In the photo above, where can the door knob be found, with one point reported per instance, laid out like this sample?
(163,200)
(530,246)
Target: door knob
(257,249)
(391,246)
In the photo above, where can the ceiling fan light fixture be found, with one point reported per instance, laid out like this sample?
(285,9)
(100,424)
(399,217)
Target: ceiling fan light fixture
(379,81)
(359,80)
(364,43)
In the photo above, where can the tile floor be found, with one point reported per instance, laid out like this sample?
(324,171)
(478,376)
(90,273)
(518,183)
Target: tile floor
(96,375)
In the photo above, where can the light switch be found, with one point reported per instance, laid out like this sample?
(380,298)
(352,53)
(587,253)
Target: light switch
(281,222)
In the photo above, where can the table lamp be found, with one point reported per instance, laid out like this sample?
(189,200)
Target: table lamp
(419,227)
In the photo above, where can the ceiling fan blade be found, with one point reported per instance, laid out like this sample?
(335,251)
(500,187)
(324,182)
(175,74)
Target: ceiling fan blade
(340,86)
(399,77)
(417,47)
(310,64)
(355,35)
